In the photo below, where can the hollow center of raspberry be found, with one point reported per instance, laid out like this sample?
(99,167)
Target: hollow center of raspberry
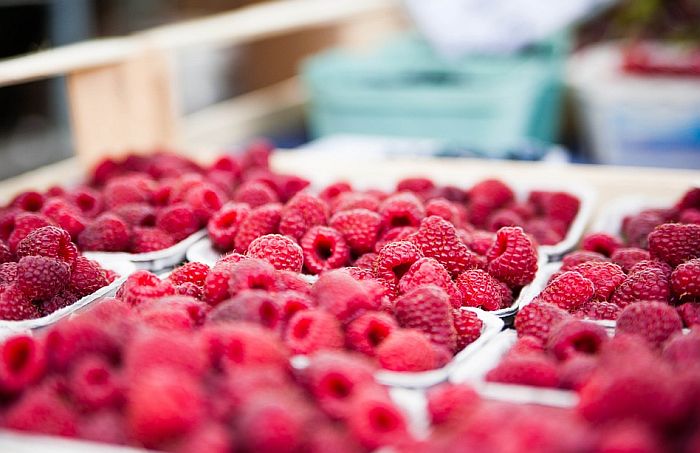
(269,314)
(587,345)
(228,220)
(401,220)
(97,376)
(211,200)
(382,420)
(338,386)
(401,269)
(17,356)
(324,249)
(33,203)
(85,202)
(301,328)
(376,334)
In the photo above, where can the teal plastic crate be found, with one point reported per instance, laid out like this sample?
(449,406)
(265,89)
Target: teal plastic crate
(489,103)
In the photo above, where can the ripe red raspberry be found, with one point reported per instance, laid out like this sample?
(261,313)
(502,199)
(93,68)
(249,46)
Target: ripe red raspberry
(675,243)
(39,277)
(332,191)
(313,330)
(5,253)
(401,209)
(342,295)
(598,310)
(355,200)
(445,209)
(324,249)
(240,343)
(526,345)
(374,421)
(23,363)
(644,285)
(367,332)
(136,214)
(291,302)
(627,257)
(94,384)
(685,279)
(437,238)
(86,277)
(395,234)
(534,370)
(254,194)
(287,186)
(280,251)
(251,273)
(683,350)
(480,241)
(543,232)
(42,411)
(690,215)
(148,239)
(143,285)
(690,199)
(359,227)
(224,225)
(294,281)
(359,273)
(575,372)
(128,189)
(261,221)
(448,402)
(163,405)
(14,305)
(158,349)
(252,305)
(568,291)
(689,313)
(493,191)
(179,313)
(655,265)
(606,277)
(205,200)
(417,185)
(479,289)
(189,272)
(468,327)
(503,217)
(537,319)
(512,258)
(48,241)
(561,207)
(89,201)
(107,233)
(574,337)
(23,224)
(178,220)
(28,201)
(427,271)
(655,321)
(428,310)
(301,213)
(406,350)
(602,243)
(366,261)
(62,299)
(573,259)
(65,215)
(273,423)
(636,228)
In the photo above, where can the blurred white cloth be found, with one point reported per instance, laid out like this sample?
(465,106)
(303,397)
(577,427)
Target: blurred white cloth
(458,27)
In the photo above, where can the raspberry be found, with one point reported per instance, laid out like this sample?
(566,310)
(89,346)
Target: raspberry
(480,241)
(374,421)
(143,285)
(301,213)
(656,265)
(324,248)
(359,274)
(254,194)
(512,258)
(561,207)
(627,257)
(468,327)
(251,305)
(493,191)
(28,201)
(602,243)
(179,312)
(148,239)
(273,423)
(581,256)
(427,271)
(401,209)
(14,305)
(178,220)
(537,319)
(448,402)
(599,310)
(655,321)
(41,277)
(395,259)
(291,302)
(406,350)
(644,285)
(205,200)
(280,251)
(163,404)
(161,349)
(628,436)
(48,241)
(287,186)
(479,289)
(574,337)
(89,201)
(342,295)
(240,343)
(62,299)
(107,233)
(443,208)
(428,310)
(577,371)
(366,261)
(526,345)
(261,221)
(690,199)
(417,185)
(251,273)
(367,332)
(189,272)
(568,291)
(211,437)
(5,253)
(216,284)
(437,238)
(685,279)
(503,217)
(136,214)
(86,277)
(395,234)
(23,363)
(42,411)
(683,350)
(288,280)
(636,229)
(360,228)
(313,330)
(690,215)
(65,215)
(355,200)
(689,313)
(94,384)
(224,225)
(24,224)
(606,277)
(127,189)
(332,191)
(675,243)
(533,370)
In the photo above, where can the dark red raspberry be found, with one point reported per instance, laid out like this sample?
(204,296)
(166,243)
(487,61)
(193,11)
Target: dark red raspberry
(636,228)
(685,280)
(261,221)
(252,305)
(23,363)
(599,310)
(301,213)
(148,239)
(254,194)
(355,200)
(128,189)
(503,217)
(280,251)
(107,233)
(287,186)
(536,319)
(324,248)
(468,327)
(533,370)
(143,285)
(252,273)
(690,199)
(675,243)
(137,214)
(375,421)
(401,209)
(644,285)
(223,226)
(367,332)
(561,207)
(437,238)
(627,257)
(654,265)
(62,299)
(178,220)
(581,256)
(24,224)
(157,349)
(5,253)
(342,295)
(273,423)
(406,350)
(655,321)
(8,273)
(15,306)
(359,227)
(49,241)
(690,215)
(427,271)
(689,313)
(39,277)
(544,232)
(428,310)
(65,215)
(313,330)
(86,277)
(479,289)
(190,273)
(480,242)
(568,291)
(89,201)
(574,337)
(241,343)
(602,243)
(606,277)
(205,200)
(512,258)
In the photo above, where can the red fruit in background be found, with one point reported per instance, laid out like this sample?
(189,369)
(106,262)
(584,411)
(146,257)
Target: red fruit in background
(366,333)
(65,215)
(313,330)
(136,214)
(536,371)
(42,411)
(178,220)
(205,200)
(251,273)
(23,363)
(575,337)
(107,233)
(577,257)
(342,295)
(360,228)
(654,321)
(447,402)
(675,243)
(301,213)
(374,421)
(28,201)
(146,239)
(602,243)
(254,194)
(627,257)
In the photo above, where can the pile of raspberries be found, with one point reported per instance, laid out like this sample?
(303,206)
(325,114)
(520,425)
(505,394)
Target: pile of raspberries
(656,259)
